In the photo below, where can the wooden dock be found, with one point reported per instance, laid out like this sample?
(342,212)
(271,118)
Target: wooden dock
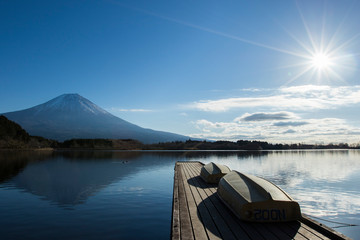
(198,213)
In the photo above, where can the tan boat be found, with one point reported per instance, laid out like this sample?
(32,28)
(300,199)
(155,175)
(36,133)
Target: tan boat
(212,172)
(255,199)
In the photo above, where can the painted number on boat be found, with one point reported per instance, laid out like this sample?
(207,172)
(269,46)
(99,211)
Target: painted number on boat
(269,214)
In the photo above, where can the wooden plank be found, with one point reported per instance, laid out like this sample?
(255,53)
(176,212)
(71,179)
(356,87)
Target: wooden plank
(175,224)
(185,223)
(278,231)
(293,231)
(197,225)
(314,232)
(321,228)
(224,230)
(304,232)
(209,225)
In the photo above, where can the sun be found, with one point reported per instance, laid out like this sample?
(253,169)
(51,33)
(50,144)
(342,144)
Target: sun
(325,61)
(321,61)
(324,53)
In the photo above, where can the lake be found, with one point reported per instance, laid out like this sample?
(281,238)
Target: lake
(128,194)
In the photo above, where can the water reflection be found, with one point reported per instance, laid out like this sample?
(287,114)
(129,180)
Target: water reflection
(73,176)
(133,183)
(70,178)
(12,163)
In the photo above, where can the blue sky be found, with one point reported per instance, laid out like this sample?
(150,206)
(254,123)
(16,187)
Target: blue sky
(277,71)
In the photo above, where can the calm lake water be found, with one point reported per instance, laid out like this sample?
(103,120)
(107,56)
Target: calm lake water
(128,195)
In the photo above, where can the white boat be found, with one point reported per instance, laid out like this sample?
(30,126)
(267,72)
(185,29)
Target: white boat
(212,172)
(257,200)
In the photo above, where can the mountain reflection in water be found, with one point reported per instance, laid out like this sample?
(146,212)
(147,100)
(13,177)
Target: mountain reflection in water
(70,178)
(134,189)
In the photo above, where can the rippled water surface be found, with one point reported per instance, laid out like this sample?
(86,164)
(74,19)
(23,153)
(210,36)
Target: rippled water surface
(128,195)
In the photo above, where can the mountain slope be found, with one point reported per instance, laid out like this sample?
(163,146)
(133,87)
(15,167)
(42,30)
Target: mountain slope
(73,116)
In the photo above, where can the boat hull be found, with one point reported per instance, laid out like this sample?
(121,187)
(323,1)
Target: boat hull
(212,172)
(257,200)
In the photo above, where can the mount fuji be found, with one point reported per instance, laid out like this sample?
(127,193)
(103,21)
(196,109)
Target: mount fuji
(73,116)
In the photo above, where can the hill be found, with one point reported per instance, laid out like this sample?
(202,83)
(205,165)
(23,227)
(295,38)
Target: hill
(13,136)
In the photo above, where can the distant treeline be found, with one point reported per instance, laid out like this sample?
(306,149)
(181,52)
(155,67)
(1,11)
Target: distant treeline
(13,136)
(243,145)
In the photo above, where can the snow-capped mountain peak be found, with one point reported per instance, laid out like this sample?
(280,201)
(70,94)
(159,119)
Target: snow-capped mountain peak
(72,102)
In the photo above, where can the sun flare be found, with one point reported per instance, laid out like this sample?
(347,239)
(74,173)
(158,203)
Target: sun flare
(324,52)
(321,61)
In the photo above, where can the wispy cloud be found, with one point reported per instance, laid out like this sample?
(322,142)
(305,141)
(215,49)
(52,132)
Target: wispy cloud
(265,116)
(295,98)
(113,109)
(290,123)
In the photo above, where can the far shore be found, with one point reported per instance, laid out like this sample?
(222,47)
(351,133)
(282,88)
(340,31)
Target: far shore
(189,145)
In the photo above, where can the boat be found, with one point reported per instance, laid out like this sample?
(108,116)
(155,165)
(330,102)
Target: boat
(212,172)
(255,199)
